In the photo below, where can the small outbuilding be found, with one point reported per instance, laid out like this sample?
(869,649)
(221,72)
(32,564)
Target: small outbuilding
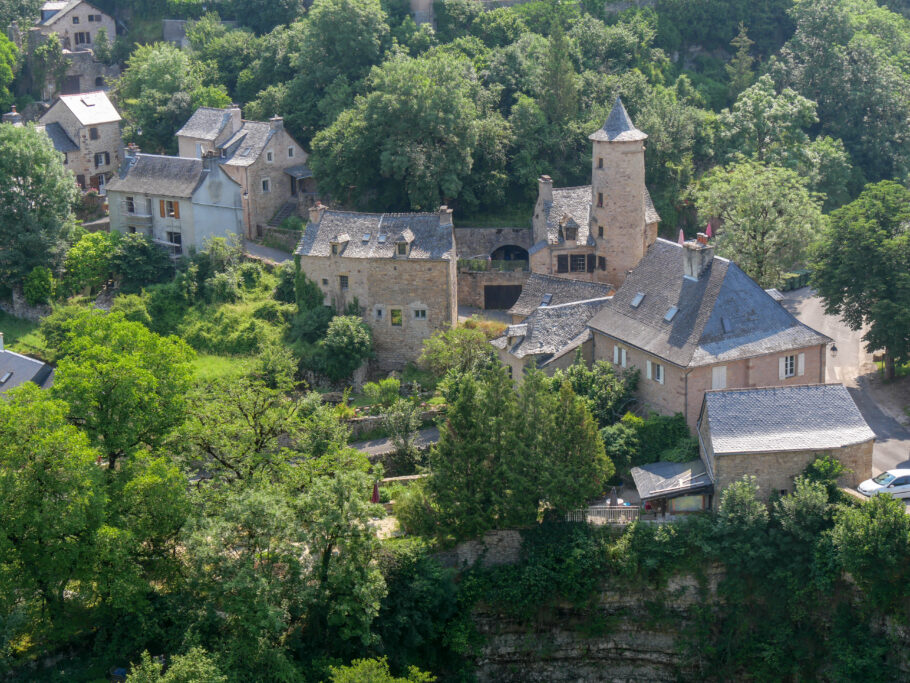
(674,487)
(773,433)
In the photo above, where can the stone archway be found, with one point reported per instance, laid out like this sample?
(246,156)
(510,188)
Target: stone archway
(510,252)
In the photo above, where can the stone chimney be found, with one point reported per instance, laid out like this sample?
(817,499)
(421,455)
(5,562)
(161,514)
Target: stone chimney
(13,117)
(316,212)
(545,188)
(276,123)
(132,149)
(236,118)
(697,256)
(445,217)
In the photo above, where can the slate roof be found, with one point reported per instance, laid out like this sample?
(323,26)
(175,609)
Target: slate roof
(23,369)
(59,8)
(572,206)
(61,141)
(299,171)
(428,240)
(562,291)
(793,418)
(618,127)
(723,316)
(670,479)
(550,329)
(91,108)
(159,175)
(245,146)
(206,123)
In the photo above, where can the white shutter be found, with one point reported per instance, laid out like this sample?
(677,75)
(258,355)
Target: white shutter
(782,367)
(801,364)
(615,355)
(648,365)
(622,353)
(719,377)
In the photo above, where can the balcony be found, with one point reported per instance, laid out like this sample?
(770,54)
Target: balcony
(135,214)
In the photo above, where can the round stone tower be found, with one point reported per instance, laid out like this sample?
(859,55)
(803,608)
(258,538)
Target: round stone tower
(620,221)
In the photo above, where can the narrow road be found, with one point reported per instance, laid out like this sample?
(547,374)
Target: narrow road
(852,365)
(380,447)
(269,253)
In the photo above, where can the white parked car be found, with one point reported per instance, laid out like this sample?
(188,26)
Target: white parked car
(893,482)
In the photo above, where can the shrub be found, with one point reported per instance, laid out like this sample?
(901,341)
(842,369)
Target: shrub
(139,262)
(222,288)
(347,343)
(228,332)
(293,223)
(250,274)
(385,392)
(38,287)
(311,324)
(307,293)
(276,366)
(273,312)
(462,349)
(285,290)
(88,262)
(166,307)
(133,308)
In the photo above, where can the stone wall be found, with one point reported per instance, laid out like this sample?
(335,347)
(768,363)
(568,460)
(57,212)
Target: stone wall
(496,548)
(776,471)
(481,242)
(471,284)
(82,161)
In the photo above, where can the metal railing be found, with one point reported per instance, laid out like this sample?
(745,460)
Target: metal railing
(605,514)
(483,265)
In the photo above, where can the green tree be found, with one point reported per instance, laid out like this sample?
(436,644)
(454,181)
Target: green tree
(415,137)
(766,217)
(124,384)
(347,343)
(137,262)
(862,268)
(38,287)
(376,671)
(102,47)
(88,262)
(739,68)
(158,91)
(609,394)
(264,15)
(53,504)
(21,11)
(872,541)
(460,348)
(402,420)
(559,88)
(196,666)
(36,202)
(49,65)
(9,66)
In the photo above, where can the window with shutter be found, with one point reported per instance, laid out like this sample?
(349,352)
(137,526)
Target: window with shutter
(648,368)
(801,364)
(161,206)
(601,263)
(562,263)
(615,355)
(592,262)
(176,209)
(719,377)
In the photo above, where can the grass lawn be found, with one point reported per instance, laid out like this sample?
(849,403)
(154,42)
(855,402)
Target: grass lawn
(21,335)
(210,368)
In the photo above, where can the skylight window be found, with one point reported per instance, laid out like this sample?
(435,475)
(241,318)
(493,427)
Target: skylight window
(637,299)
(670,313)
(366,236)
(547,298)
(5,378)
(87,102)
(381,239)
(725,322)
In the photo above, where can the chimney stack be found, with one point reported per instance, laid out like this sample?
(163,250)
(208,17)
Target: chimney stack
(276,123)
(236,118)
(697,256)
(545,188)
(13,117)
(445,217)
(316,212)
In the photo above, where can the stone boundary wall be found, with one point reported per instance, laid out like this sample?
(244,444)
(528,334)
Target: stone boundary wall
(494,549)
(471,284)
(363,425)
(286,238)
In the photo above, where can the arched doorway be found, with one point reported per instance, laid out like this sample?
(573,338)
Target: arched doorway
(509,252)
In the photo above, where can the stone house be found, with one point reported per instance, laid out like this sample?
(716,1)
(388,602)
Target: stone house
(692,322)
(179,203)
(85,128)
(261,156)
(549,338)
(773,433)
(77,24)
(598,232)
(399,268)
(16,370)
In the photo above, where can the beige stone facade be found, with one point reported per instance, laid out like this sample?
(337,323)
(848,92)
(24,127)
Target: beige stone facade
(97,138)
(76,23)
(682,389)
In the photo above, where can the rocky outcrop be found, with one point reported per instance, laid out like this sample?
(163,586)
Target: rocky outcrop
(627,635)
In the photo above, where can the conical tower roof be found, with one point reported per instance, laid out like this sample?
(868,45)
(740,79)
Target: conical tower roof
(618,128)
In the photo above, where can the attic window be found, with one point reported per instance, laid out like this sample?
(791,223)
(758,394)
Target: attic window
(571,233)
(245,151)
(5,378)
(402,248)
(366,236)
(547,298)
(671,313)
(637,299)
(381,239)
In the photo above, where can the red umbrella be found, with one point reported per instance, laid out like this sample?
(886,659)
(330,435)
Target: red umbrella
(682,237)
(375,497)
(708,231)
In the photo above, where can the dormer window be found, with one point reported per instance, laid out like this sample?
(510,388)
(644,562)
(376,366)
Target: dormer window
(334,250)
(402,248)
(571,233)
